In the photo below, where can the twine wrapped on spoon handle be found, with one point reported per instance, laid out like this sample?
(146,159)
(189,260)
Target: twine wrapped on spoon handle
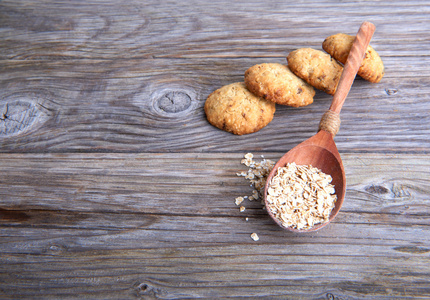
(331,120)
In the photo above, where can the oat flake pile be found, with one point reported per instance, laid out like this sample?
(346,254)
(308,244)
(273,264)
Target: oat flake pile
(301,196)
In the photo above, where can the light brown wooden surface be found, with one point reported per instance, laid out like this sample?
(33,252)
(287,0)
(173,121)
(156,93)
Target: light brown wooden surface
(114,186)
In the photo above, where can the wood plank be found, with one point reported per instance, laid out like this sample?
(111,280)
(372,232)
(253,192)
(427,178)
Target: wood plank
(217,272)
(121,106)
(165,225)
(41,30)
(64,66)
(144,182)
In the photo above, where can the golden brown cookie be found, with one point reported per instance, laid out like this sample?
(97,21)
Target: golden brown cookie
(315,67)
(235,109)
(339,45)
(276,82)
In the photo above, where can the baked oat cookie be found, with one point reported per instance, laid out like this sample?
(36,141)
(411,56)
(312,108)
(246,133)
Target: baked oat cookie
(276,83)
(315,67)
(339,45)
(235,109)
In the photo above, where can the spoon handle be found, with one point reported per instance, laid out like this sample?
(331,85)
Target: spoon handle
(353,63)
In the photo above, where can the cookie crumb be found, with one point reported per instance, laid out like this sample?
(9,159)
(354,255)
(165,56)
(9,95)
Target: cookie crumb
(255,237)
(242,208)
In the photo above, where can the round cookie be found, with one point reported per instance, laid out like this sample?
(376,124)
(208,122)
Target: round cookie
(339,45)
(315,67)
(235,109)
(275,82)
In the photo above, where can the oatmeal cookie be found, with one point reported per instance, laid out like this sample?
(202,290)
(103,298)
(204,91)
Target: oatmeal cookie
(234,109)
(276,82)
(315,67)
(339,45)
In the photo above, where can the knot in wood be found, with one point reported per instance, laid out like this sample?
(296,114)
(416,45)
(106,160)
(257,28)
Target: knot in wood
(174,102)
(146,289)
(377,189)
(391,91)
(330,122)
(17,116)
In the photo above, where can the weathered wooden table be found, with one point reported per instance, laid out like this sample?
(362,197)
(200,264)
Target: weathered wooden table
(114,186)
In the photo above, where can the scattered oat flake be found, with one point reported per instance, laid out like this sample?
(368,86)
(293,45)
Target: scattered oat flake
(255,237)
(239,200)
(257,175)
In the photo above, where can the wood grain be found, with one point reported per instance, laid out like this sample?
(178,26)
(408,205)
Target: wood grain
(114,186)
(116,108)
(108,96)
(111,228)
(98,30)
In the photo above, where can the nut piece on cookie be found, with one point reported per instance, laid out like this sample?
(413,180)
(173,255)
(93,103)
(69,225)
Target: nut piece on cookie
(234,109)
(339,45)
(315,67)
(276,83)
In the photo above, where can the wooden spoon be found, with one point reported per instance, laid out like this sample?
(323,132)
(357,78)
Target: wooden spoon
(320,150)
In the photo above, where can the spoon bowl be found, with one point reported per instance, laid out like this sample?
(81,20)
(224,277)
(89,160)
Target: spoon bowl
(320,151)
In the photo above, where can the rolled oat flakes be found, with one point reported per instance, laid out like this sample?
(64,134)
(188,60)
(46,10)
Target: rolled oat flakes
(301,196)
